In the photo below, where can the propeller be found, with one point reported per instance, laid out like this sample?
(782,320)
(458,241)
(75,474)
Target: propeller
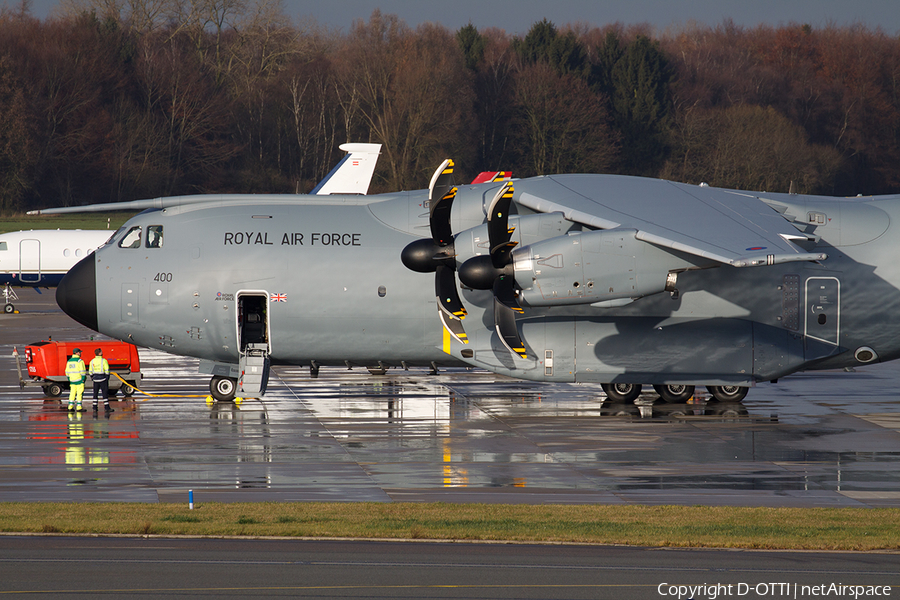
(495,271)
(438,253)
(490,272)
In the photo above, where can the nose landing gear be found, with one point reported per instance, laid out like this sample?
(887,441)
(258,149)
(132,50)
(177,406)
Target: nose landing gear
(9,295)
(223,388)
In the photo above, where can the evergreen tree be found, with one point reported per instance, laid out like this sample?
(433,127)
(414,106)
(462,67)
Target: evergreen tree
(642,105)
(472,44)
(543,43)
(608,54)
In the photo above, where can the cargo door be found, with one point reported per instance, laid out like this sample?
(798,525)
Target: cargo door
(253,341)
(30,261)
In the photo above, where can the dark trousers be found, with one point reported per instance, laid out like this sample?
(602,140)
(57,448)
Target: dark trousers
(102,388)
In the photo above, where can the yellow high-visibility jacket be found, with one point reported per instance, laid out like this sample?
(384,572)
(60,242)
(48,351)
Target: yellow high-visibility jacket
(99,369)
(75,370)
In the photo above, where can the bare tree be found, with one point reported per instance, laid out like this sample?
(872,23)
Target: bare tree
(411,92)
(563,124)
(749,147)
(17,154)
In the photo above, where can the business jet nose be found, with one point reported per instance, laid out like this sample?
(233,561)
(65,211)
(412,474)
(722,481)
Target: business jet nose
(77,292)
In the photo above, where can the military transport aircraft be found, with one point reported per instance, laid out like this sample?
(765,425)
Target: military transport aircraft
(617,280)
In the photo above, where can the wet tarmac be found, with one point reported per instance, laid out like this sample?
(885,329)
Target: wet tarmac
(814,439)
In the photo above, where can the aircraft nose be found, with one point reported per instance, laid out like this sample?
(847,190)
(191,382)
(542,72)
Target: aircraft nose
(77,292)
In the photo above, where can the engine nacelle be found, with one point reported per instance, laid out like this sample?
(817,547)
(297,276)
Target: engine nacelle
(592,266)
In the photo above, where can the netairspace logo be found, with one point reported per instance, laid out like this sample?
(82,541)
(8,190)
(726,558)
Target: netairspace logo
(712,591)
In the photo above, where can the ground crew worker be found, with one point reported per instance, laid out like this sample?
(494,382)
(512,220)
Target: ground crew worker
(99,372)
(76,373)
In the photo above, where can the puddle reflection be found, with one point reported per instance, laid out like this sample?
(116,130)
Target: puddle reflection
(353,436)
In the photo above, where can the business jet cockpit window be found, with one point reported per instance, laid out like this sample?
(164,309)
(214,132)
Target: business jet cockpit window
(155,236)
(132,239)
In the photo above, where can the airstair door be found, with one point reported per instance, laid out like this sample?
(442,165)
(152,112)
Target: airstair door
(253,340)
(30,261)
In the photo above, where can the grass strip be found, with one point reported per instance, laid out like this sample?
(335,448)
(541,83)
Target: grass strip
(673,526)
(21,222)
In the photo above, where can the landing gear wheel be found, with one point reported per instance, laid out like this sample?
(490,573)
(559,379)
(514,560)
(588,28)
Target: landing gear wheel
(728,393)
(223,388)
(675,392)
(53,390)
(9,309)
(622,392)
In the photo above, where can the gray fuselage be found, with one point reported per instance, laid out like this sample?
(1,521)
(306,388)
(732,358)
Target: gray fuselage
(326,280)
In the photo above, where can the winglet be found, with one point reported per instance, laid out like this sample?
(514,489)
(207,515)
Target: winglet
(353,174)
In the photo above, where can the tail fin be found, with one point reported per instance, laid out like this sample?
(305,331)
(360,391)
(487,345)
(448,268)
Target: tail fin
(353,174)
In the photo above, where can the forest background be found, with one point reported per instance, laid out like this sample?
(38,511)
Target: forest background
(116,100)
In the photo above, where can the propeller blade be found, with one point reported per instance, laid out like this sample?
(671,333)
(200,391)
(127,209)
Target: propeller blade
(440,219)
(500,254)
(447,294)
(505,291)
(498,226)
(439,253)
(505,324)
(440,199)
(454,326)
(441,180)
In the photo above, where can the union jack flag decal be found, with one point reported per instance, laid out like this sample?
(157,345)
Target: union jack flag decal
(278,298)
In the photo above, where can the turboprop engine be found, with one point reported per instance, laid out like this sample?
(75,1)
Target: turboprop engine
(589,267)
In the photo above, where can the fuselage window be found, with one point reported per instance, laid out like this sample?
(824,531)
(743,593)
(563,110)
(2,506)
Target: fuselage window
(2,245)
(155,236)
(132,239)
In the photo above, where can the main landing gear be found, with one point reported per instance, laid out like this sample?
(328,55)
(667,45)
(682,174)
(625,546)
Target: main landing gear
(728,393)
(674,393)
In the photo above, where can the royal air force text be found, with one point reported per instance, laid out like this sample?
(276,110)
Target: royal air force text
(265,238)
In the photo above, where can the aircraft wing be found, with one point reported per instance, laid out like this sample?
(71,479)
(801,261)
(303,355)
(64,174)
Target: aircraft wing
(733,228)
(351,176)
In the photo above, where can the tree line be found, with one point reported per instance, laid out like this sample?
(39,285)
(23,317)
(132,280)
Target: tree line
(118,100)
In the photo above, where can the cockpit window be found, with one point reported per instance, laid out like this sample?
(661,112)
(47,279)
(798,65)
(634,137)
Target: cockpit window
(132,239)
(155,236)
